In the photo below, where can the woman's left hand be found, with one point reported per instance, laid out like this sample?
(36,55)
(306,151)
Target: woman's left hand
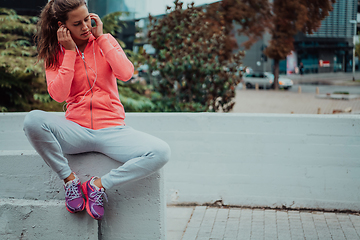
(97,31)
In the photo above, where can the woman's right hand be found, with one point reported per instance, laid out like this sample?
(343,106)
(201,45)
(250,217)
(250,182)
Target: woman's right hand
(65,39)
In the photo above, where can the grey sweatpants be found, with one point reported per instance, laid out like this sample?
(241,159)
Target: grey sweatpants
(52,136)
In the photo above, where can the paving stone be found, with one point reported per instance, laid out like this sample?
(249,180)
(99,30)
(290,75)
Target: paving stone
(190,233)
(232,233)
(234,213)
(270,236)
(248,224)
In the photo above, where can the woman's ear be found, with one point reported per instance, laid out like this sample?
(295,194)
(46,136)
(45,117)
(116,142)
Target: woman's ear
(60,24)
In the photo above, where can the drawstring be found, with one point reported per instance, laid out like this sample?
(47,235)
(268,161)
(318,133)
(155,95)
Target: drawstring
(95,72)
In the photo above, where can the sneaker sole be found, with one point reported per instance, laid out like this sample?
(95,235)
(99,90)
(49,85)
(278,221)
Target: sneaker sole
(84,189)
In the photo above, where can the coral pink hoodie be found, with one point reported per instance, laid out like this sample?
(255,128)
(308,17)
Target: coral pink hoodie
(99,107)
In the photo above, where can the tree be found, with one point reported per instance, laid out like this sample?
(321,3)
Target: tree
(290,17)
(282,19)
(254,17)
(195,60)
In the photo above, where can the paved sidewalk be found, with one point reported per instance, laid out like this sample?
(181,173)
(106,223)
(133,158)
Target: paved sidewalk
(339,78)
(200,223)
(270,101)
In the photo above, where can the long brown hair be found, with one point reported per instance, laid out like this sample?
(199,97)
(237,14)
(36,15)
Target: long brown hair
(46,36)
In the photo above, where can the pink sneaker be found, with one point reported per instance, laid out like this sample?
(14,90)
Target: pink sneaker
(74,201)
(94,199)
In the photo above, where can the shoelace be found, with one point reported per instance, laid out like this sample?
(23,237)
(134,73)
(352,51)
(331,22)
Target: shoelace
(71,191)
(97,196)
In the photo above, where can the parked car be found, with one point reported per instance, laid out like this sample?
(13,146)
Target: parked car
(284,82)
(264,81)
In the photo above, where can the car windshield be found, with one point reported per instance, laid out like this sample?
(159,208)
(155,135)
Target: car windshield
(259,75)
(269,75)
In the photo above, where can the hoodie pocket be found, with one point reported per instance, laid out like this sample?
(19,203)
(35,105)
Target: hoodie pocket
(102,102)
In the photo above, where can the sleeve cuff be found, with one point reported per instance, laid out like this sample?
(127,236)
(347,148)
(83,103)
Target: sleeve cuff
(69,59)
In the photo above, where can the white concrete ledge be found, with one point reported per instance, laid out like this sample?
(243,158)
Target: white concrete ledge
(134,211)
(43,220)
(260,160)
(256,160)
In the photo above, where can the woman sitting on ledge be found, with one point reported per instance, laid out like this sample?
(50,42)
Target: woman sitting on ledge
(82,65)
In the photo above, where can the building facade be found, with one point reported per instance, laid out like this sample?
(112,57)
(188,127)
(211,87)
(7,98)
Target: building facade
(133,8)
(24,7)
(329,49)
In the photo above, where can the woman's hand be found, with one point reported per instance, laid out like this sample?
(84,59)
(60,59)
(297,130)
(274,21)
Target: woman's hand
(97,31)
(65,39)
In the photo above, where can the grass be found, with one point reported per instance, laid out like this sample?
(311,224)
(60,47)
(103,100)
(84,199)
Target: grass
(343,93)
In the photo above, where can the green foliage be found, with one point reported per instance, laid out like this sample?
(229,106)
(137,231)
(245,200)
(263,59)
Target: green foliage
(15,90)
(198,69)
(341,92)
(132,96)
(112,24)
(44,98)
(136,58)
(17,47)
(24,91)
(357,48)
(12,23)
(22,78)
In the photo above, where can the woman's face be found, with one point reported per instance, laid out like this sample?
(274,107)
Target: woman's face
(79,24)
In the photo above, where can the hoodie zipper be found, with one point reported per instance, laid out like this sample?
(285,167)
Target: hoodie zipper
(92,93)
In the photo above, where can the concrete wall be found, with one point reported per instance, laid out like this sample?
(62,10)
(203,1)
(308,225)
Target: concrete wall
(32,197)
(256,160)
(260,160)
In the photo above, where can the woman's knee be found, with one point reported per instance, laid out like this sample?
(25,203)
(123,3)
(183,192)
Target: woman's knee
(32,120)
(163,152)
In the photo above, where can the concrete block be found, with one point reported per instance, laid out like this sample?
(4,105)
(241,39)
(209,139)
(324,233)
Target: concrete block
(43,220)
(134,211)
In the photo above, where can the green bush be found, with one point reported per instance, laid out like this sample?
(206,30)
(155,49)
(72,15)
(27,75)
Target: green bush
(195,59)
(133,99)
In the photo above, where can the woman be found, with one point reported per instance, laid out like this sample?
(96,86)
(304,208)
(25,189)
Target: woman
(82,65)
